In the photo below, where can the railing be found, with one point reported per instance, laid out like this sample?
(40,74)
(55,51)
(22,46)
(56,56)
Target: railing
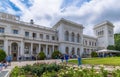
(28,24)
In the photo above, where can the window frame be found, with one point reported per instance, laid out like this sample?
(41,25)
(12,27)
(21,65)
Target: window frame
(15,31)
(27,34)
(2,29)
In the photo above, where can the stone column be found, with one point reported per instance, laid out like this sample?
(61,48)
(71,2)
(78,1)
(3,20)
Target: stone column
(22,49)
(10,49)
(31,49)
(6,46)
(39,50)
(46,50)
(53,48)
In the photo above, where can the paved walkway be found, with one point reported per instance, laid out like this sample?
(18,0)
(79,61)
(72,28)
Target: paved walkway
(23,63)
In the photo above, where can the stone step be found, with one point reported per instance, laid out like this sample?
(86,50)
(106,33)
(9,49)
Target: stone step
(3,73)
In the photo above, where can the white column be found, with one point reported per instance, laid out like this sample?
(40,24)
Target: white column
(39,50)
(46,50)
(81,51)
(76,50)
(51,51)
(22,49)
(31,49)
(10,49)
(53,48)
(6,46)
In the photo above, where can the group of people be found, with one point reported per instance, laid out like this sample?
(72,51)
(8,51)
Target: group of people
(6,62)
(66,58)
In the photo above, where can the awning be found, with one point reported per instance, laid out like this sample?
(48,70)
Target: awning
(107,51)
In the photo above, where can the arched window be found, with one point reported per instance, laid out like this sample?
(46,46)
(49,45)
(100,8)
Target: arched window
(85,51)
(85,42)
(78,51)
(73,51)
(67,50)
(66,36)
(48,52)
(42,49)
(1,44)
(78,38)
(73,37)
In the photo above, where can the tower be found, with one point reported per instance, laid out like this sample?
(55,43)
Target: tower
(105,34)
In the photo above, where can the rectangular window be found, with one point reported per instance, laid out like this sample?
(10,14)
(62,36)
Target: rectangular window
(27,34)
(15,31)
(47,37)
(85,42)
(34,35)
(90,43)
(95,43)
(26,50)
(53,37)
(1,44)
(41,36)
(1,30)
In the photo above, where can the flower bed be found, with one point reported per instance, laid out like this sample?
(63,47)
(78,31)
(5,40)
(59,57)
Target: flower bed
(54,70)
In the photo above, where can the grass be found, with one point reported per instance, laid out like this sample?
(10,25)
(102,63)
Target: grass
(98,61)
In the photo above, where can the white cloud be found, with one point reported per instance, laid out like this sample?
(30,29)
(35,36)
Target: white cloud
(42,11)
(48,12)
(94,12)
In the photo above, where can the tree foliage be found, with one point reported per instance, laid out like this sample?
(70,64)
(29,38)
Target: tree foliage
(2,55)
(41,55)
(117,43)
(111,47)
(55,54)
(94,54)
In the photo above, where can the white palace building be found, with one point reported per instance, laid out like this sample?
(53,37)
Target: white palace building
(18,38)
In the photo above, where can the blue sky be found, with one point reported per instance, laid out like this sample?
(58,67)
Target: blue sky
(48,12)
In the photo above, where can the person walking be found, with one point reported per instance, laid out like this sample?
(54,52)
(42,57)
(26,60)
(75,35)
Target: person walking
(1,66)
(9,59)
(79,60)
(20,58)
(66,58)
(62,57)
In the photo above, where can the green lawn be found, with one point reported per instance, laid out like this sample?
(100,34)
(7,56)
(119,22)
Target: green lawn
(97,61)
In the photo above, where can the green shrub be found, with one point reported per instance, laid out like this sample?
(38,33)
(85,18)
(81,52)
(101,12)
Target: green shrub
(41,55)
(111,47)
(55,55)
(2,55)
(49,74)
(15,72)
(36,70)
(94,54)
(54,70)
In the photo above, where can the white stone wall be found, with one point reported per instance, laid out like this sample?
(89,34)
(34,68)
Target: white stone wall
(58,31)
(104,39)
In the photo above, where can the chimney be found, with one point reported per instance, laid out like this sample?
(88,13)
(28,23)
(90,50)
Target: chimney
(31,21)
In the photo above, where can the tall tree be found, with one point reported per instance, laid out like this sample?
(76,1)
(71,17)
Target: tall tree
(117,43)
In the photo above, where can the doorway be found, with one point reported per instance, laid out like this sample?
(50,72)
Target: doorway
(14,51)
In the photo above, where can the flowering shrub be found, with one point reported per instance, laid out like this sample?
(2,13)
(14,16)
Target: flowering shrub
(34,70)
(54,70)
(81,72)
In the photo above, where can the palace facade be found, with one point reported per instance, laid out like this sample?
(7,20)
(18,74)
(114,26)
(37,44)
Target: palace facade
(18,38)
